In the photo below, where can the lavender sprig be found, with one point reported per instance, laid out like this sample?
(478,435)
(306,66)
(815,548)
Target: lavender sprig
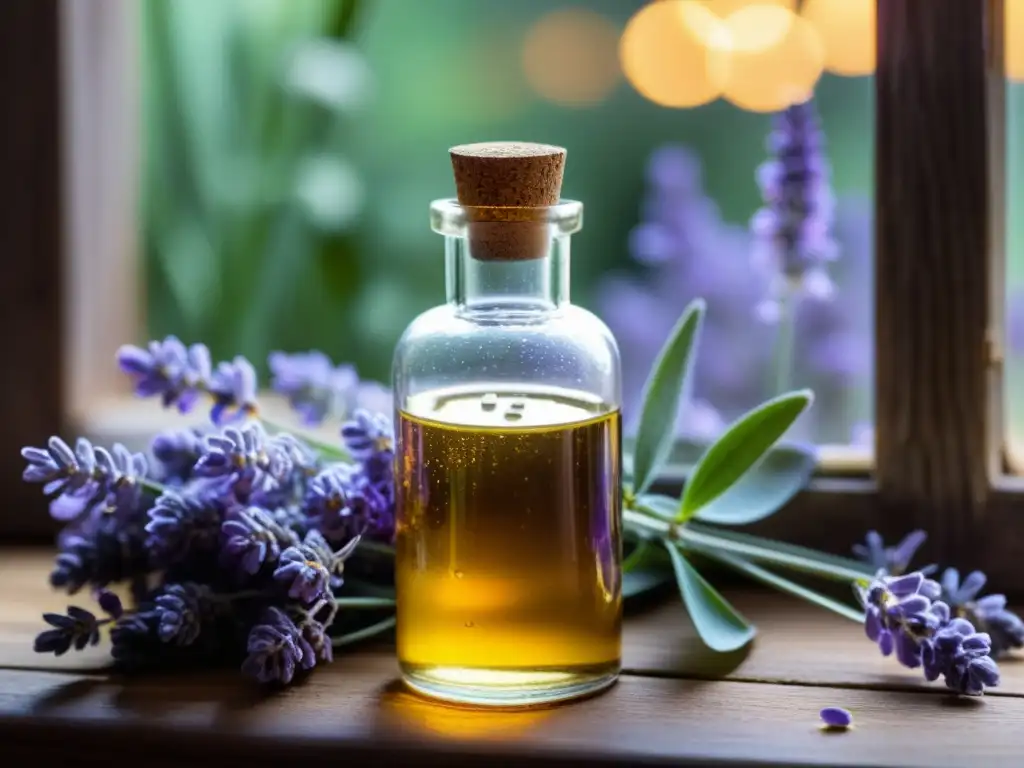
(903,614)
(989,613)
(893,560)
(314,386)
(179,375)
(88,477)
(792,232)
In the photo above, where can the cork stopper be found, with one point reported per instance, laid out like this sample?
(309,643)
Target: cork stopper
(505,185)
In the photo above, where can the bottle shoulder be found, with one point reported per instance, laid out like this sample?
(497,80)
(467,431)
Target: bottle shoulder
(571,323)
(570,348)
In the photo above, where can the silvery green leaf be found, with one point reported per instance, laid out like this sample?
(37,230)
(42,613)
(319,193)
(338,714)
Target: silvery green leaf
(666,387)
(663,507)
(709,539)
(765,488)
(719,625)
(784,584)
(739,449)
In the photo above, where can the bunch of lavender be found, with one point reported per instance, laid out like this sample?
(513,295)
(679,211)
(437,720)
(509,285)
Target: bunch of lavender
(235,540)
(945,628)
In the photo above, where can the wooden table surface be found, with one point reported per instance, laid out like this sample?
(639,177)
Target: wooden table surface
(674,705)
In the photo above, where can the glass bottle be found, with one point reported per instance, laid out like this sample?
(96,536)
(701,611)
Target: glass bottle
(508,452)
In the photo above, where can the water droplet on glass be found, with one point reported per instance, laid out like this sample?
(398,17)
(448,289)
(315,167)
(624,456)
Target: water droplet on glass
(518,405)
(470,625)
(489,401)
(513,416)
(459,574)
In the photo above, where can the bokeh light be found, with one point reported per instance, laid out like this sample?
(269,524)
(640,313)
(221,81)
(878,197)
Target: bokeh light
(754,33)
(847,31)
(569,57)
(1014,43)
(666,61)
(773,78)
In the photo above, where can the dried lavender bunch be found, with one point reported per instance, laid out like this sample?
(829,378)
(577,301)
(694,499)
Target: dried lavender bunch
(233,540)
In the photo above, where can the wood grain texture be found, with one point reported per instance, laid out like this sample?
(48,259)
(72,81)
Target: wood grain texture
(797,643)
(30,244)
(352,712)
(932,208)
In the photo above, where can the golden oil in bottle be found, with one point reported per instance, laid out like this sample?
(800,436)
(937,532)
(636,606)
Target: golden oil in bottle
(508,544)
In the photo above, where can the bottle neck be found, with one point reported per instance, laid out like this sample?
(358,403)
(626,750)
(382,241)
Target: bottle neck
(507,286)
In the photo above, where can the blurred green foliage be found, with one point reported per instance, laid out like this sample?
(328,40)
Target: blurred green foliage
(249,199)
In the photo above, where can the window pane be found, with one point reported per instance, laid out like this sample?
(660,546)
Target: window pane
(288,175)
(1014,372)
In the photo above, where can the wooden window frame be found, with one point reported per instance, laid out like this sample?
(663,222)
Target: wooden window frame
(940,159)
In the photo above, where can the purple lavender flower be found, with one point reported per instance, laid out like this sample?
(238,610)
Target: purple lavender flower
(962,656)
(134,642)
(86,476)
(180,610)
(182,523)
(895,604)
(78,628)
(893,560)
(836,717)
(792,231)
(176,452)
(306,569)
(248,461)
(166,368)
(902,613)
(179,375)
(342,502)
(233,387)
(106,553)
(314,386)
(368,435)
(110,603)
(988,614)
(315,635)
(276,649)
(251,537)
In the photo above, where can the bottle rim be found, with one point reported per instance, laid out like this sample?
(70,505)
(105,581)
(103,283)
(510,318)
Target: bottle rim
(451,218)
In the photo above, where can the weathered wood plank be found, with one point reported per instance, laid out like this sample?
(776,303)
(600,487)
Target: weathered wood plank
(351,712)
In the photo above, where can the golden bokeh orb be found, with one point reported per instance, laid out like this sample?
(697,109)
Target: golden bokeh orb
(847,31)
(772,78)
(665,58)
(1014,43)
(569,57)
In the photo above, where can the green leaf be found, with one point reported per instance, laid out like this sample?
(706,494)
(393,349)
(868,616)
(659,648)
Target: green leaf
(365,633)
(709,540)
(644,580)
(663,392)
(644,569)
(719,625)
(662,507)
(765,489)
(784,584)
(739,449)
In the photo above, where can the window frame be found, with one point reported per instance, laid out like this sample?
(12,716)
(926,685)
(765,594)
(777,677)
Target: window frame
(939,218)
